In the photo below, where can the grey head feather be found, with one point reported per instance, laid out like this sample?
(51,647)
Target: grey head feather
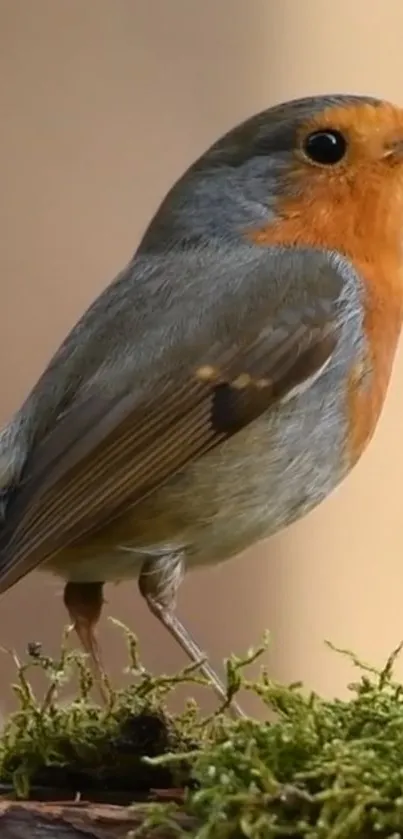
(237,180)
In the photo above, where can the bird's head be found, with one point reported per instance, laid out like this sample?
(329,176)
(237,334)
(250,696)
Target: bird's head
(326,171)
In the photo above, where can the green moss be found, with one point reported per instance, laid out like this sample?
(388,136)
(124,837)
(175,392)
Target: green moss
(49,749)
(322,768)
(331,769)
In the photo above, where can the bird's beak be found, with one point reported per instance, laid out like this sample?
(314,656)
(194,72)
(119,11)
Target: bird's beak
(395,151)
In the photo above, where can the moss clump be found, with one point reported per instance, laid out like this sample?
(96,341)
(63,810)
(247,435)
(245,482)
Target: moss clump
(328,769)
(48,750)
(322,770)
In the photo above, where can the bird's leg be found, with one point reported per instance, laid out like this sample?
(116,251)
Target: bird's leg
(84,603)
(159,581)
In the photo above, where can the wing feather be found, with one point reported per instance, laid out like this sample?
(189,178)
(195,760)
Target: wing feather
(110,450)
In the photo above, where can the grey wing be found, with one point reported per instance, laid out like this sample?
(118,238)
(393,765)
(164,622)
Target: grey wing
(210,370)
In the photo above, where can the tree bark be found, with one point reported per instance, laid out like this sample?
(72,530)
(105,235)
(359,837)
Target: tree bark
(37,820)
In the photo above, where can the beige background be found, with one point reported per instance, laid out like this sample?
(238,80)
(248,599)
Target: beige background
(102,105)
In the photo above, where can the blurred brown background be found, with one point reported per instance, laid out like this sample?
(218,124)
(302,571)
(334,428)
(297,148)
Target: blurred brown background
(103,103)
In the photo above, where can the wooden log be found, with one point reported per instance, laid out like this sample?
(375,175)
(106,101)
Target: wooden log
(81,820)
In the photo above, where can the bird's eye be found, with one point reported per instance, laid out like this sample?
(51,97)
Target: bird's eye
(325,147)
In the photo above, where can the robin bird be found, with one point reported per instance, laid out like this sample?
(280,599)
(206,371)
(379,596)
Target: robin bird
(229,377)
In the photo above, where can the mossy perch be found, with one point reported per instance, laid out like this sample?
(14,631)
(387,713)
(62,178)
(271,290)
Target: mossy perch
(320,769)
